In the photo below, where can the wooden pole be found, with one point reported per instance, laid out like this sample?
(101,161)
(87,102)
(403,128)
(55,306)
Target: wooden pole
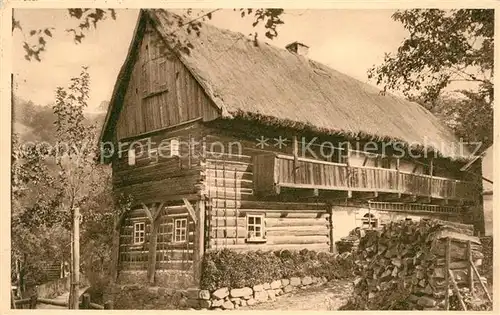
(199,242)
(457,292)
(153,240)
(470,272)
(330,226)
(76,259)
(447,276)
(480,282)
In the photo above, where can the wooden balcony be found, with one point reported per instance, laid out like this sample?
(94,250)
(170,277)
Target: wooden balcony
(271,172)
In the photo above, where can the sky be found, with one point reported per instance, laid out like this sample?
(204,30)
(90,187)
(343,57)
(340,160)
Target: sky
(350,41)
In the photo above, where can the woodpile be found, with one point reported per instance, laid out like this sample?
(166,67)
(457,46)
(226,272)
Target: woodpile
(416,266)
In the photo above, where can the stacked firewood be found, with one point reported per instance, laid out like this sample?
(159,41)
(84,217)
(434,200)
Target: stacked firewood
(348,244)
(404,265)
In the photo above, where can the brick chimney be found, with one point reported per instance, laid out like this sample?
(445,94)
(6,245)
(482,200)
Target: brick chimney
(298,48)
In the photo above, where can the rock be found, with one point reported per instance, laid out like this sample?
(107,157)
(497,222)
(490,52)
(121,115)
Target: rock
(217,303)
(438,273)
(426,301)
(396,262)
(241,292)
(306,281)
(228,305)
(266,286)
(205,303)
(162,291)
(371,295)
(276,284)
(248,297)
(420,274)
(285,282)
(257,288)
(243,303)
(422,283)
(153,290)
(260,296)
(271,295)
(357,280)
(193,293)
(288,288)
(220,293)
(204,295)
(251,302)
(295,281)
(195,303)
(280,292)
(413,298)
(236,301)
(183,302)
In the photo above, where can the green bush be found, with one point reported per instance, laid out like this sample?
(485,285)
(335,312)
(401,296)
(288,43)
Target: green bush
(227,268)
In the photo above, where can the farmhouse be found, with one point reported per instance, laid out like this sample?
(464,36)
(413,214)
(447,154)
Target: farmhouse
(226,142)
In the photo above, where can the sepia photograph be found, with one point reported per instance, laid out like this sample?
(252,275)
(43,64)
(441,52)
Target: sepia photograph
(272,159)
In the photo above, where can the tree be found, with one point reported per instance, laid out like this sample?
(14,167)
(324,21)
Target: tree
(49,182)
(35,40)
(443,48)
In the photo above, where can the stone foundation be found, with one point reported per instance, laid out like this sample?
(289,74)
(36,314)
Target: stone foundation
(228,299)
(143,297)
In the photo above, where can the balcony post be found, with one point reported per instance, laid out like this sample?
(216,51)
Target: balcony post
(397,175)
(295,158)
(431,171)
(349,173)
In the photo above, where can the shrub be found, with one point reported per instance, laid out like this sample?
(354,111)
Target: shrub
(227,268)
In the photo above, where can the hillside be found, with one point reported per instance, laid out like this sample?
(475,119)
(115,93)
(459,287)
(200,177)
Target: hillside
(36,122)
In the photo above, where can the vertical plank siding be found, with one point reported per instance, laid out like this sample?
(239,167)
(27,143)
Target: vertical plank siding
(161,92)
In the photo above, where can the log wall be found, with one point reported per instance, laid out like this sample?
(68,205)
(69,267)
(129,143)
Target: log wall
(156,176)
(170,255)
(229,188)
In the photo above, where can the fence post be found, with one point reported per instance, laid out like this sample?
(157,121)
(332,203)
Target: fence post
(33,299)
(108,305)
(86,301)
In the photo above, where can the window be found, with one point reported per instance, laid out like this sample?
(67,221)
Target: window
(139,231)
(369,221)
(180,230)
(131,156)
(255,228)
(174,147)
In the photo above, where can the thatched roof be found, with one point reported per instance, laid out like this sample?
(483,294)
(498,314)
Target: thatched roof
(276,86)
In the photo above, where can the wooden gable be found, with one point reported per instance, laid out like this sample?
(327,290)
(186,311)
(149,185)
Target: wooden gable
(161,92)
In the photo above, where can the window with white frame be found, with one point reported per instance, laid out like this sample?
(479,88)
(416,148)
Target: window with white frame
(131,156)
(180,230)
(174,147)
(369,221)
(139,232)
(255,228)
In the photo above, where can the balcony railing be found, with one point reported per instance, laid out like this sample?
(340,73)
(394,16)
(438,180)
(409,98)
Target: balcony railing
(273,171)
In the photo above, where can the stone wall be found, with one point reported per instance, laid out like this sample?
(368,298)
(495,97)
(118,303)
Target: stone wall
(145,297)
(228,299)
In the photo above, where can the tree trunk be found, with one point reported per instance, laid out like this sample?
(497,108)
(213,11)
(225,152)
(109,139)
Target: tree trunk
(76,259)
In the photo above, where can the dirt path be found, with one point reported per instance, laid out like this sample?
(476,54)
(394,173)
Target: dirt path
(327,297)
